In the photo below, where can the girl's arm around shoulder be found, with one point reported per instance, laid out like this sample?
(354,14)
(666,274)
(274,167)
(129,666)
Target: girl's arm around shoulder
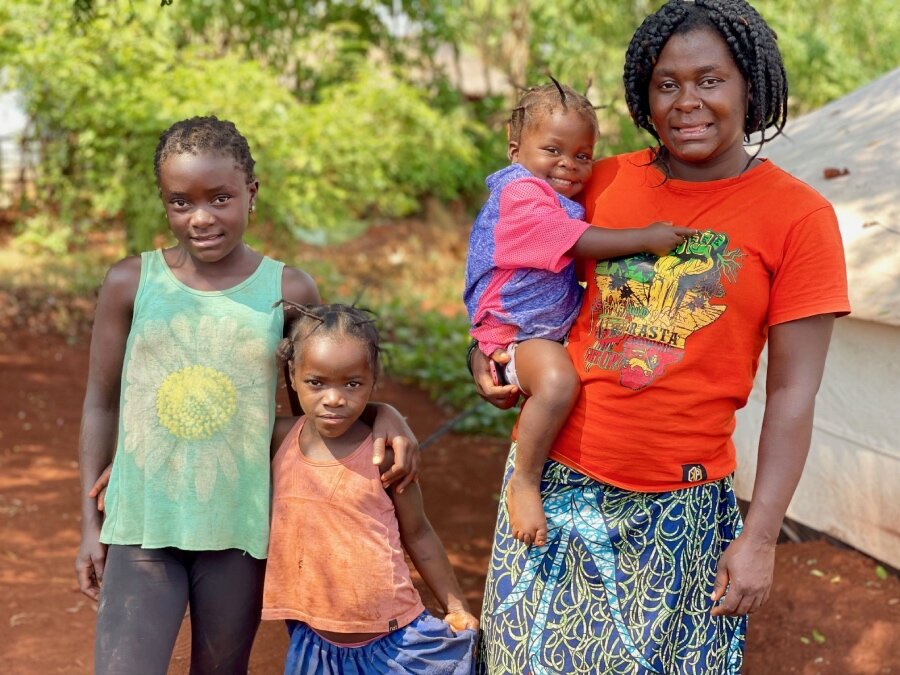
(428,555)
(392,438)
(298,287)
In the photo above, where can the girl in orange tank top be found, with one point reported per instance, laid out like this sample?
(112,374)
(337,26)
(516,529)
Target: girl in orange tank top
(336,570)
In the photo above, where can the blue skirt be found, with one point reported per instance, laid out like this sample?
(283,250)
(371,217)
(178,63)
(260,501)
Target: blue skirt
(622,585)
(427,646)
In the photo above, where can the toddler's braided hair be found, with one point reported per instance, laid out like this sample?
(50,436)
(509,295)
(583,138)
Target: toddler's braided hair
(750,40)
(538,102)
(329,320)
(204,134)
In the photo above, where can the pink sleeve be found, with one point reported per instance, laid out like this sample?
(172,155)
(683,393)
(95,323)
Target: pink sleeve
(533,229)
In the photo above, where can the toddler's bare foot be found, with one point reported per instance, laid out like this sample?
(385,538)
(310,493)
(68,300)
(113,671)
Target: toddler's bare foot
(526,511)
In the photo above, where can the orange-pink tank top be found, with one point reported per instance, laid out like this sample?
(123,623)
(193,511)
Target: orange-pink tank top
(335,558)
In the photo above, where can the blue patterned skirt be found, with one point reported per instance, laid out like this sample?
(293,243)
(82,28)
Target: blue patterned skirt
(621,587)
(426,646)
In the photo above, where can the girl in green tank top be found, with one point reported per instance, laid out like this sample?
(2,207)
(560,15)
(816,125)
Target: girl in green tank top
(181,392)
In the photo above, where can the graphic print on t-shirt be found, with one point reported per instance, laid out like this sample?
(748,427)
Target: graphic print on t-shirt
(186,380)
(646,307)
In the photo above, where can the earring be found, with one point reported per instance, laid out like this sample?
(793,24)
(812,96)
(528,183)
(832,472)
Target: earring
(700,107)
(251,208)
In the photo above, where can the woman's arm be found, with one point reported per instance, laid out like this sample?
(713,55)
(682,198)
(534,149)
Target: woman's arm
(428,555)
(100,414)
(499,396)
(797,351)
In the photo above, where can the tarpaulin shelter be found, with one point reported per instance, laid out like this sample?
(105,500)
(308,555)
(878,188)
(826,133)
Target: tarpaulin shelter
(849,151)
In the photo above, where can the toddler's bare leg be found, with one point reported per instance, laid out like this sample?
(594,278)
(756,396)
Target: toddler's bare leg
(548,377)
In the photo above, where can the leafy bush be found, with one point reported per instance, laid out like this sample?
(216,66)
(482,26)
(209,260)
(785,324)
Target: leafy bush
(374,147)
(99,93)
(39,235)
(429,349)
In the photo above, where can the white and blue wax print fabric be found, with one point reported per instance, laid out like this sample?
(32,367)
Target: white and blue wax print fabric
(622,586)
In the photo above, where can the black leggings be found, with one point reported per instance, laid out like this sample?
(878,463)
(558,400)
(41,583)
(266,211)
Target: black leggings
(142,603)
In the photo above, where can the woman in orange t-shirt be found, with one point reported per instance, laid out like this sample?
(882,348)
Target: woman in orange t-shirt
(648,567)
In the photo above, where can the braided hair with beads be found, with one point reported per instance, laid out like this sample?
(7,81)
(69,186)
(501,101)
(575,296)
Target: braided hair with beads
(750,40)
(198,135)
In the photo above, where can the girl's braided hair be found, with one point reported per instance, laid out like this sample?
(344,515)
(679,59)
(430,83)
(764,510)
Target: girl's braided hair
(329,320)
(537,102)
(750,40)
(204,134)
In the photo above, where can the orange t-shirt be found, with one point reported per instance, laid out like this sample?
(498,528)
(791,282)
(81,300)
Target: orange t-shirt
(335,558)
(667,348)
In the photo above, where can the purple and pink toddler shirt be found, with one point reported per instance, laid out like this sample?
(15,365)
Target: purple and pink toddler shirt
(520,284)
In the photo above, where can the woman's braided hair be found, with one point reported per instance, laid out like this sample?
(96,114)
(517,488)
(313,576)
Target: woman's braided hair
(538,102)
(204,134)
(329,320)
(750,40)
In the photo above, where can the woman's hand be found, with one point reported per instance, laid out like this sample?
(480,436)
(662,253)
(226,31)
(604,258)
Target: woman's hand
(460,619)
(502,397)
(389,430)
(744,576)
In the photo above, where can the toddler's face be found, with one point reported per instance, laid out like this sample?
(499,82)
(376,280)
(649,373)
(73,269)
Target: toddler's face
(558,148)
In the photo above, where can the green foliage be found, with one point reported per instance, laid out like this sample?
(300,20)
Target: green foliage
(374,147)
(100,92)
(39,235)
(429,349)
(322,91)
(832,48)
(348,115)
(314,44)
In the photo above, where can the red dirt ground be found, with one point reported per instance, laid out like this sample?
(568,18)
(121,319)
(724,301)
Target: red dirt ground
(831,610)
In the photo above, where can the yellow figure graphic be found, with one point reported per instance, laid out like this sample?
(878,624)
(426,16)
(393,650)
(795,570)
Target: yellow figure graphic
(647,307)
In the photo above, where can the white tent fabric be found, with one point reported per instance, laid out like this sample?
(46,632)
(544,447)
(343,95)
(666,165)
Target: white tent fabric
(851,486)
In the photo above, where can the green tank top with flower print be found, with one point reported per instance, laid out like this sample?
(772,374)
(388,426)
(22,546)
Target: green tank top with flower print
(196,412)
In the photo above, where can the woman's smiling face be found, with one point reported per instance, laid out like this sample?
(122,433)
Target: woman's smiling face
(698,103)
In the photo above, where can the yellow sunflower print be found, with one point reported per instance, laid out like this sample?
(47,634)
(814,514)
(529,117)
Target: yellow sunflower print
(186,381)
